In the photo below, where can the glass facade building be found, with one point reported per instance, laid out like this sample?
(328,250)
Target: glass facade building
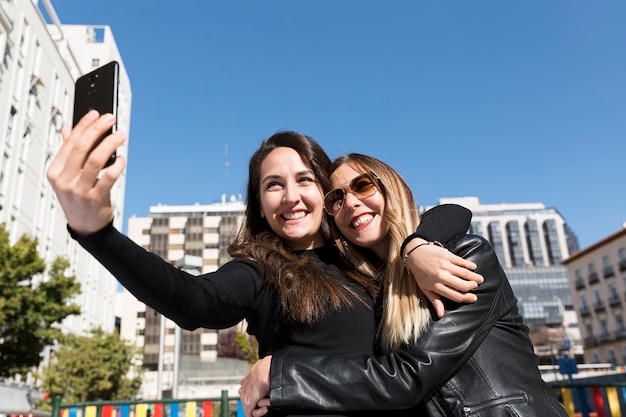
(530,241)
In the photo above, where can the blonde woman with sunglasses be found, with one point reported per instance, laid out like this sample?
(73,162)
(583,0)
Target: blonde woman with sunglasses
(477,360)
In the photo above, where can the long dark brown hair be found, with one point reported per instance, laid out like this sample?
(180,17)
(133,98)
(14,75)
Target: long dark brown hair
(304,289)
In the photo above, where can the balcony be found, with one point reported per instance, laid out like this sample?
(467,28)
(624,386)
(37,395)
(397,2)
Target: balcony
(580,283)
(593,278)
(614,300)
(605,338)
(585,310)
(608,272)
(599,305)
(590,341)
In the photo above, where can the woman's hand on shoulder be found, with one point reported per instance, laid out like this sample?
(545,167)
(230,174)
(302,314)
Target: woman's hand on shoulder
(440,273)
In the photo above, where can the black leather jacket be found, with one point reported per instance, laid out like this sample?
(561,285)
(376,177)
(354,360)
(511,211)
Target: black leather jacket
(475,361)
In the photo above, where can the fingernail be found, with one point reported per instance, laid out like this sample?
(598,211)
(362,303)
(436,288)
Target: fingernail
(92,115)
(108,117)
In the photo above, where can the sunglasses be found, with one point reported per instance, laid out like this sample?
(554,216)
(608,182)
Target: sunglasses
(363,186)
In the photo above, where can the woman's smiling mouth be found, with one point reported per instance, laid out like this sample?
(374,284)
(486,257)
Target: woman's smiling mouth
(297,215)
(361,220)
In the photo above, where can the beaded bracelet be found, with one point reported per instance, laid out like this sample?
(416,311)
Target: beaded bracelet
(406,255)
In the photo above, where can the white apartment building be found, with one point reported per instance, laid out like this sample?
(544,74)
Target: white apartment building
(597,276)
(41,59)
(194,238)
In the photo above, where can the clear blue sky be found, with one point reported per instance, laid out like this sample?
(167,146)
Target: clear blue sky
(509,101)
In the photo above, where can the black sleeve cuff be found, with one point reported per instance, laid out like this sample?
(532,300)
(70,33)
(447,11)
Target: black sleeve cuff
(78,238)
(441,223)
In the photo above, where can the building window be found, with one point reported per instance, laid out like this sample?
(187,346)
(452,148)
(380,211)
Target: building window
(607,267)
(36,86)
(593,275)
(622,259)
(495,237)
(9,130)
(552,242)
(476,228)
(579,281)
(605,336)
(516,251)
(598,303)
(611,357)
(584,307)
(621,330)
(614,298)
(533,241)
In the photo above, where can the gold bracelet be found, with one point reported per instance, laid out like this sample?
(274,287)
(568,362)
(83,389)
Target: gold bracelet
(406,255)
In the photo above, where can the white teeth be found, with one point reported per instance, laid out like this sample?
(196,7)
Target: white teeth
(294,216)
(362,220)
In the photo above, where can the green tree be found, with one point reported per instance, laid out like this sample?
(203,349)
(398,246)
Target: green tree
(249,347)
(238,345)
(30,310)
(90,368)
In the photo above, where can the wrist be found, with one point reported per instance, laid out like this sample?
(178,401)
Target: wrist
(411,245)
(409,251)
(78,235)
(410,238)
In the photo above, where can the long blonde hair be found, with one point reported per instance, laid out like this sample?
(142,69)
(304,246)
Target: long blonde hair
(405,312)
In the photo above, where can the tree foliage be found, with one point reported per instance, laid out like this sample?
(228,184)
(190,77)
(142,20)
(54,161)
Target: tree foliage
(238,345)
(90,368)
(249,346)
(30,310)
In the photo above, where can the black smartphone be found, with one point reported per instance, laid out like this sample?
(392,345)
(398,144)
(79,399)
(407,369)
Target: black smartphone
(98,90)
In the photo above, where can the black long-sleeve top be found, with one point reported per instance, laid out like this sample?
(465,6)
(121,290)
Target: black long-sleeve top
(236,291)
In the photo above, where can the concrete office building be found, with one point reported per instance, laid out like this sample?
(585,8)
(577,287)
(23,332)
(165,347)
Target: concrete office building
(41,59)
(597,276)
(194,238)
(531,241)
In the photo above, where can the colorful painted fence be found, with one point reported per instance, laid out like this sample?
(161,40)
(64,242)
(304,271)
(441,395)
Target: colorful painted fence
(579,399)
(593,400)
(203,407)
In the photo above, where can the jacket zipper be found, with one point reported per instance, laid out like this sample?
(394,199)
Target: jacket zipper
(468,411)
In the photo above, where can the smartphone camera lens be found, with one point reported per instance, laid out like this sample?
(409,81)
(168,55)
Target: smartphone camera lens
(92,80)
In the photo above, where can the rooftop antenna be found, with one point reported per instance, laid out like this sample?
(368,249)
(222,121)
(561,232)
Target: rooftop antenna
(226,165)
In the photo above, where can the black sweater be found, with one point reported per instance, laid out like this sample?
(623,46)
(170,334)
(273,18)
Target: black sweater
(235,292)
